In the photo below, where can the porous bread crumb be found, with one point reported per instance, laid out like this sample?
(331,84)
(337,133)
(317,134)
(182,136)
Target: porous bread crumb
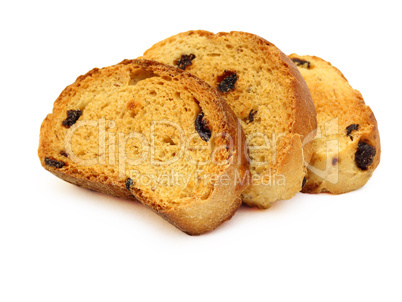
(137,116)
(344,123)
(269,89)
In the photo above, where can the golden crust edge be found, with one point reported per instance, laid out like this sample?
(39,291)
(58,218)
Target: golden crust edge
(117,188)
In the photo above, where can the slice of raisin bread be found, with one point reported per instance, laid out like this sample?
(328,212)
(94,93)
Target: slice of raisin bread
(147,131)
(268,95)
(347,147)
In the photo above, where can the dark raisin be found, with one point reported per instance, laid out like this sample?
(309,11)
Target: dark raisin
(54,163)
(304,182)
(63,153)
(72,117)
(202,127)
(364,155)
(251,115)
(350,129)
(302,63)
(226,81)
(185,61)
(129,183)
(334,161)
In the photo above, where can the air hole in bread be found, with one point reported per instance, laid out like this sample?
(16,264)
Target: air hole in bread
(177,96)
(214,55)
(207,193)
(134,107)
(166,78)
(168,140)
(140,75)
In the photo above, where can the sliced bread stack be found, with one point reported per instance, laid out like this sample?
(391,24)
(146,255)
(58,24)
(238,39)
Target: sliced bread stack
(205,121)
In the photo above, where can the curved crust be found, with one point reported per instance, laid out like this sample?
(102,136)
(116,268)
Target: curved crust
(350,177)
(287,180)
(196,217)
(296,156)
(306,115)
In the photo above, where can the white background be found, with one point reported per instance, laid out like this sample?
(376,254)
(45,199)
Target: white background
(59,242)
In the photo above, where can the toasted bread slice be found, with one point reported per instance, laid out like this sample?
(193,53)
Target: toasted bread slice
(347,148)
(268,95)
(143,130)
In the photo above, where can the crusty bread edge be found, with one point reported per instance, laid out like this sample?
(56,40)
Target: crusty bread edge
(293,165)
(304,127)
(372,136)
(222,196)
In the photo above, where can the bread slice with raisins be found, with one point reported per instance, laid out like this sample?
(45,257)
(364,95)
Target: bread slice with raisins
(347,148)
(143,130)
(268,95)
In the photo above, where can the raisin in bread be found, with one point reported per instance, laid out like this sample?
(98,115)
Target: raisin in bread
(268,95)
(143,130)
(347,147)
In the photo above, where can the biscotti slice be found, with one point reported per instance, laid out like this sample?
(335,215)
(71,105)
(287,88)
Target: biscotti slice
(268,95)
(143,130)
(347,148)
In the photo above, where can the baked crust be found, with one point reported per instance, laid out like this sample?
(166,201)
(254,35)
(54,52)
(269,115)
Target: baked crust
(334,169)
(197,215)
(295,150)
